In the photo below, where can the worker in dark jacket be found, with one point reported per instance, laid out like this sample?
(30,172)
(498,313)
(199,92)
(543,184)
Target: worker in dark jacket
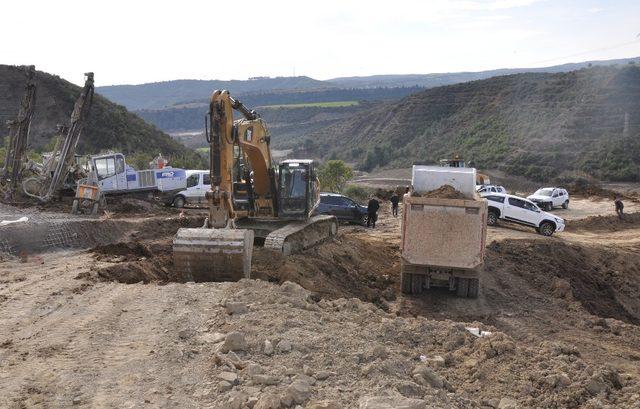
(394,203)
(372,212)
(619,207)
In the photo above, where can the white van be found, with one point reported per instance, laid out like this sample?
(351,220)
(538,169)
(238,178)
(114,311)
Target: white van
(198,183)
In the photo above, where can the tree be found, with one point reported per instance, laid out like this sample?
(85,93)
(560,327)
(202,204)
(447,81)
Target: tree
(333,175)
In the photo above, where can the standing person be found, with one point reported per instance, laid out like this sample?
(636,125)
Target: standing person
(619,207)
(372,212)
(394,203)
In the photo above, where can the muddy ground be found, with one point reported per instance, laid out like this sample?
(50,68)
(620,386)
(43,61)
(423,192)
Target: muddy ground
(115,327)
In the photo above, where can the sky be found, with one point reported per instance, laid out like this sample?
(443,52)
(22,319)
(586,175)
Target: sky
(140,41)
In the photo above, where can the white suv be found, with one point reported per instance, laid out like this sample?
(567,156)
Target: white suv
(488,189)
(549,197)
(522,211)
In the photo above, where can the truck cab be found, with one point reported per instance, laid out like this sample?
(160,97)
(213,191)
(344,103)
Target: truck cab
(115,176)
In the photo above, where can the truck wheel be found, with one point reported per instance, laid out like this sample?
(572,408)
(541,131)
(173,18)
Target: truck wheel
(462,287)
(406,282)
(94,209)
(178,202)
(548,207)
(74,207)
(565,205)
(546,229)
(474,287)
(492,218)
(416,283)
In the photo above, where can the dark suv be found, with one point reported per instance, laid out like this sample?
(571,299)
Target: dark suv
(343,208)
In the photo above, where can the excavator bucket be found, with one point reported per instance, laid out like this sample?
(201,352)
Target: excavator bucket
(213,254)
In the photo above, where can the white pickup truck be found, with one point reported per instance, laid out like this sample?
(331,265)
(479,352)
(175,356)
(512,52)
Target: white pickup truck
(522,211)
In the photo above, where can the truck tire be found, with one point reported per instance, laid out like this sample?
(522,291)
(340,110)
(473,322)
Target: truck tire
(462,287)
(474,288)
(546,229)
(416,283)
(492,218)
(74,207)
(548,206)
(94,209)
(178,202)
(565,205)
(406,282)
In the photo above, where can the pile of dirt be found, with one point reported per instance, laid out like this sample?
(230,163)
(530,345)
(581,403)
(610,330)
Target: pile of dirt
(603,281)
(587,189)
(443,192)
(605,223)
(346,266)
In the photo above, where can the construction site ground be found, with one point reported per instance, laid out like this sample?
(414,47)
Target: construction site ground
(113,326)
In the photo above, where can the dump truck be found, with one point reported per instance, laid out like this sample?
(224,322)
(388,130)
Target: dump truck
(443,235)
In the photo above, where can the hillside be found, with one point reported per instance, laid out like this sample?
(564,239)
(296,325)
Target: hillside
(162,94)
(110,125)
(538,125)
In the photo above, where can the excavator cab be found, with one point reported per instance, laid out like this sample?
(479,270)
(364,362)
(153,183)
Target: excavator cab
(298,194)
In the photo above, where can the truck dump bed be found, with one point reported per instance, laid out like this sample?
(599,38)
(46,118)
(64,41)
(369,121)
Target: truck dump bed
(447,233)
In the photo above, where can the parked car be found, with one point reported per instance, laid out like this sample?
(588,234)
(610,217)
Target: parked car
(342,207)
(522,211)
(486,189)
(198,183)
(549,197)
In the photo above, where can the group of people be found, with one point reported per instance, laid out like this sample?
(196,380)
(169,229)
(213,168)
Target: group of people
(374,205)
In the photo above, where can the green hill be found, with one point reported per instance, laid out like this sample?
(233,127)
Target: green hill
(539,125)
(110,126)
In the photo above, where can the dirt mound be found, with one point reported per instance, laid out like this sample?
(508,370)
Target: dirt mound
(605,223)
(603,281)
(346,266)
(443,192)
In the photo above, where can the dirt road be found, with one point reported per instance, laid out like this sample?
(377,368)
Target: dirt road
(564,312)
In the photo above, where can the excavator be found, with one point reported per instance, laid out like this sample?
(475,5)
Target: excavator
(11,173)
(250,198)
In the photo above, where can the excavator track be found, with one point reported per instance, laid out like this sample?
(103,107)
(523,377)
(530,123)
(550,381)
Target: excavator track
(298,236)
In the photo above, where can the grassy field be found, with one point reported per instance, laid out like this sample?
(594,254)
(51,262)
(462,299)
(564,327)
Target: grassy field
(315,104)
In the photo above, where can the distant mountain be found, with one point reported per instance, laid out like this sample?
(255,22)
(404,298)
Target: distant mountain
(109,126)
(539,125)
(283,90)
(163,94)
(439,79)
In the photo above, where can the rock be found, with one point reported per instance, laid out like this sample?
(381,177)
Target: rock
(595,386)
(251,402)
(234,341)
(76,400)
(186,333)
(410,389)
(379,352)
(299,391)
(427,376)
(268,401)
(306,370)
(284,346)
(268,347)
(224,386)
(237,399)
(230,377)
(265,379)
(436,362)
(563,381)
(210,338)
(507,403)
(323,404)
(254,369)
(236,308)
(385,402)
(322,375)
(308,379)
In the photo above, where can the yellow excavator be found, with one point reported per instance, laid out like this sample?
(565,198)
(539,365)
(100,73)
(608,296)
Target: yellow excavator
(250,198)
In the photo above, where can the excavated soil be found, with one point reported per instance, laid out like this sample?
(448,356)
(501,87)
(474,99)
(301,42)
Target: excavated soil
(563,313)
(443,192)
